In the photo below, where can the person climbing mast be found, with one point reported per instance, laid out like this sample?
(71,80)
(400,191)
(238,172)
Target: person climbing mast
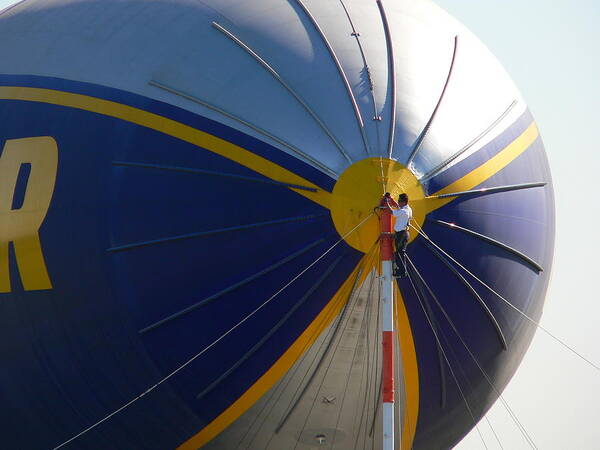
(403,214)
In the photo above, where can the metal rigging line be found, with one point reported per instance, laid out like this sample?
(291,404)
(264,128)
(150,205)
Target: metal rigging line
(474,358)
(437,339)
(215,342)
(534,322)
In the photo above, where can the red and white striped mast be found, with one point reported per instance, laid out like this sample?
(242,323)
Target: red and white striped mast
(387,311)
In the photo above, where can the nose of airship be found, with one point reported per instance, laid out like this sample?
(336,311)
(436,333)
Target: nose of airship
(189,233)
(358,191)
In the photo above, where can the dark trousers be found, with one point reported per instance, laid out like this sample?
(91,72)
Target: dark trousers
(401,241)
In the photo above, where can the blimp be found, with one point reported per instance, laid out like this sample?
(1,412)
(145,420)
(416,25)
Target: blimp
(192,195)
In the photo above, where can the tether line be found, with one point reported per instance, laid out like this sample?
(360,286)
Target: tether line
(533,321)
(437,339)
(474,358)
(215,342)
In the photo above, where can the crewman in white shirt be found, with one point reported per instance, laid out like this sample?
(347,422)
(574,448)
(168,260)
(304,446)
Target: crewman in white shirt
(403,215)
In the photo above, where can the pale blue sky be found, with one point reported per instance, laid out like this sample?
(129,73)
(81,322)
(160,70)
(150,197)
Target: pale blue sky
(552,51)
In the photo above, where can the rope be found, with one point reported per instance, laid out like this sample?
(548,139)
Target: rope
(290,376)
(284,384)
(534,322)
(349,372)
(339,340)
(494,431)
(293,373)
(446,359)
(215,342)
(296,399)
(382,175)
(474,358)
(366,366)
(325,374)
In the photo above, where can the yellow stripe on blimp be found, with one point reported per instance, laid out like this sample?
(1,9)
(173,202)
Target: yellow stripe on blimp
(287,360)
(247,159)
(170,127)
(410,371)
(492,166)
(275,172)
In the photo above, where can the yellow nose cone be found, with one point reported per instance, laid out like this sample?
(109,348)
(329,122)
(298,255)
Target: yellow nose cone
(360,189)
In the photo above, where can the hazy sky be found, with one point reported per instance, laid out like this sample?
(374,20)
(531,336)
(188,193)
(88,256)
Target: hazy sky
(552,51)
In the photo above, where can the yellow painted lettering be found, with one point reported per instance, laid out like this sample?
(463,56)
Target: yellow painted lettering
(21,226)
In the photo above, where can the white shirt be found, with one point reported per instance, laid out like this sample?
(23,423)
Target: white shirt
(403,216)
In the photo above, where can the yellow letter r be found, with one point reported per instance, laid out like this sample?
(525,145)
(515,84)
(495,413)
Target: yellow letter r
(21,226)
